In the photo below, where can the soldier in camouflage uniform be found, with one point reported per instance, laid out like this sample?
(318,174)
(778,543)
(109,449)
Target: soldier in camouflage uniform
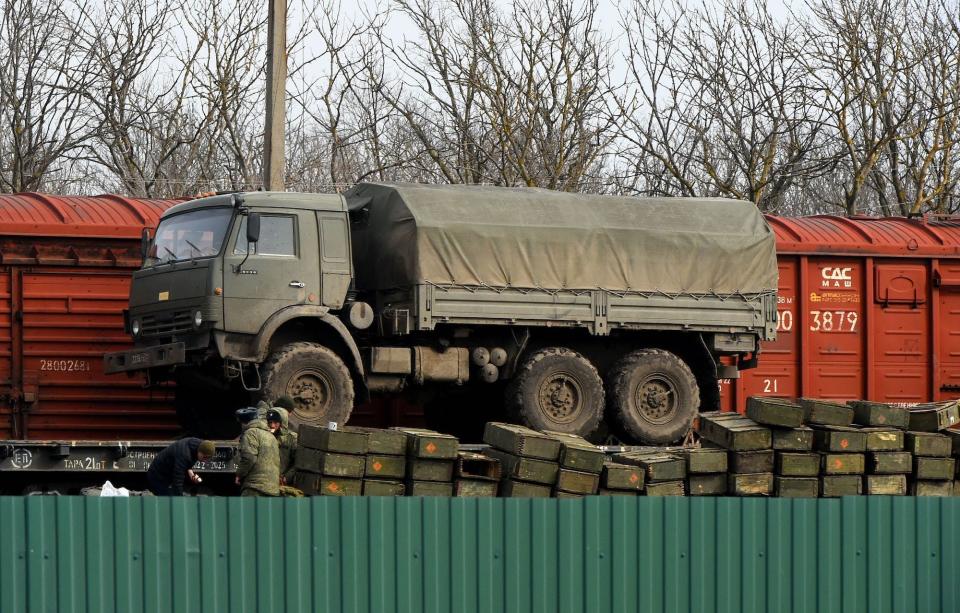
(258,471)
(287,439)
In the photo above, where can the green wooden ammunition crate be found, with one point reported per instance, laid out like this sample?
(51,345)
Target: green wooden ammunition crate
(751,462)
(928,444)
(385,466)
(521,441)
(931,488)
(429,470)
(839,439)
(429,488)
(934,416)
(345,440)
(884,439)
(826,413)
(430,445)
(797,464)
(833,486)
(842,464)
(794,439)
(656,466)
(476,466)
(933,469)
(796,487)
(665,488)
(759,484)
(525,469)
(774,412)
(733,431)
(511,488)
(705,460)
(384,442)
(577,482)
(606,492)
(330,464)
(886,485)
(879,414)
(707,484)
(475,488)
(617,476)
(889,462)
(576,453)
(317,485)
(382,487)
(954,435)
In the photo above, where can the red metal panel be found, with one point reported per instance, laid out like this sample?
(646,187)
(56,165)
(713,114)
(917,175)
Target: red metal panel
(834,320)
(98,216)
(70,319)
(64,284)
(901,341)
(948,353)
(894,236)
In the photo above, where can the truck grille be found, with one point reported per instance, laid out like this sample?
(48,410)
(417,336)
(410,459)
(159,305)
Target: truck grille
(181,321)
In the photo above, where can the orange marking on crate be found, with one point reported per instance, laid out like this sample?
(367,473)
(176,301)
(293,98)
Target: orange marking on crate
(377,466)
(431,447)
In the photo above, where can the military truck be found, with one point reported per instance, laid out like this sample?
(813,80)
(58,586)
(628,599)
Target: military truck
(574,307)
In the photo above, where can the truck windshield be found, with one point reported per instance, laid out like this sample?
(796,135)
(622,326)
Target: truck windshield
(196,234)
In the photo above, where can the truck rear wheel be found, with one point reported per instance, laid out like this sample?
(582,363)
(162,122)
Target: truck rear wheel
(315,377)
(557,389)
(653,396)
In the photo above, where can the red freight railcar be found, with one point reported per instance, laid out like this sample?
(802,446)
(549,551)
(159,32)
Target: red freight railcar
(868,308)
(65,265)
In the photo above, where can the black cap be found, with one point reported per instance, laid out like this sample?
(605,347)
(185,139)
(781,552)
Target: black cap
(245,414)
(273,415)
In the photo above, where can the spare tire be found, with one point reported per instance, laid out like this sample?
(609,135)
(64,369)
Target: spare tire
(653,397)
(557,389)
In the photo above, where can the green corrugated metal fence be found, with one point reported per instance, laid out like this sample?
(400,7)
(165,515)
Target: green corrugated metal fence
(461,555)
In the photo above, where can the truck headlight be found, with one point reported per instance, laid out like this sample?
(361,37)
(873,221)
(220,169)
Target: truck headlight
(135,327)
(197,319)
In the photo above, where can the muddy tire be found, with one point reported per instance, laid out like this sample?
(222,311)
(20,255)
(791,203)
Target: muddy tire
(315,377)
(653,397)
(556,389)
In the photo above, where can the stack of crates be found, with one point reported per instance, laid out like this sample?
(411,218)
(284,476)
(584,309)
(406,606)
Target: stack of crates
(706,471)
(431,459)
(749,447)
(330,462)
(385,463)
(664,473)
(477,476)
(580,466)
(528,460)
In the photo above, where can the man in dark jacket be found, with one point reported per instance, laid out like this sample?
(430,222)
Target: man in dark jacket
(173,466)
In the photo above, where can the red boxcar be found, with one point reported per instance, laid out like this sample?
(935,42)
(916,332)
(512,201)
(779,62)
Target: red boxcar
(868,308)
(65,265)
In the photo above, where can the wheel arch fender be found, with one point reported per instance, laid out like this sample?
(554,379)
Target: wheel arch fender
(328,322)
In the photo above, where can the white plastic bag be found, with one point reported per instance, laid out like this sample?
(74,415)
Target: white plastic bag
(110,490)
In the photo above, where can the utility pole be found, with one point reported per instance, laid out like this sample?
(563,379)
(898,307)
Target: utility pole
(273,143)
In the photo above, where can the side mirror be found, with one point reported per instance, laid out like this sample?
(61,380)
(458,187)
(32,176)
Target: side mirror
(253,227)
(144,243)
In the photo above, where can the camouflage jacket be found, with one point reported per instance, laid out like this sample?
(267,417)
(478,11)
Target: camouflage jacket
(259,465)
(287,439)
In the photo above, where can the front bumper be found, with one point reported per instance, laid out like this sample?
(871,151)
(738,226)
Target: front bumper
(143,358)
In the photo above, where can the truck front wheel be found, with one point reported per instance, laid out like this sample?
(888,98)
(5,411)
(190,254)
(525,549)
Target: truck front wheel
(653,396)
(557,389)
(315,377)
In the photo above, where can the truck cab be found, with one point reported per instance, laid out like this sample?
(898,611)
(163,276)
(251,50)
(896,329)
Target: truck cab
(222,275)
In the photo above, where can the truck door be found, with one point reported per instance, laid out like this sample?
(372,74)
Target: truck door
(281,270)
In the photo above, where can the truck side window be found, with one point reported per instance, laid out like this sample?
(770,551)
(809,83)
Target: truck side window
(277,236)
(334,234)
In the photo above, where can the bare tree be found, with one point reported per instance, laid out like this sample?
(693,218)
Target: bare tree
(41,109)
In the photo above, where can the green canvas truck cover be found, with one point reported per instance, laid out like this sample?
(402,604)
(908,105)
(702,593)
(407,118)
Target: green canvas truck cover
(408,234)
